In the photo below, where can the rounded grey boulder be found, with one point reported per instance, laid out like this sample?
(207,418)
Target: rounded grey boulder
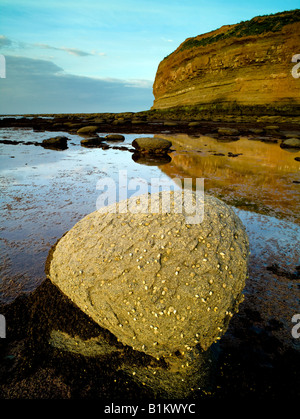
(157,283)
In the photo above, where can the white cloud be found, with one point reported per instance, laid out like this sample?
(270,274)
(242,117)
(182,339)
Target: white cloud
(167,40)
(101,54)
(72,51)
(4,41)
(40,86)
(146,84)
(13,45)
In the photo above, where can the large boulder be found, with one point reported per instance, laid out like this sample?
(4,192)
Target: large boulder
(158,284)
(148,145)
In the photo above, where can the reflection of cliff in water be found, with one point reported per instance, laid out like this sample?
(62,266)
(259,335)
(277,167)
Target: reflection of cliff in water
(248,174)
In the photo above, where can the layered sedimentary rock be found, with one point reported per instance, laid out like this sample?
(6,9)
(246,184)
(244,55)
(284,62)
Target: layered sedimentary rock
(249,63)
(158,284)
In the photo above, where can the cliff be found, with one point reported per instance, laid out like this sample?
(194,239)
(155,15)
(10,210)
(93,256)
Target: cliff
(235,66)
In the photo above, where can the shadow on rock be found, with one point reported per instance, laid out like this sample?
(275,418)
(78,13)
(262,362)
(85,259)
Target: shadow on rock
(55,350)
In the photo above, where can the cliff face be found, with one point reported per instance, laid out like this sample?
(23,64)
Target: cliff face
(249,63)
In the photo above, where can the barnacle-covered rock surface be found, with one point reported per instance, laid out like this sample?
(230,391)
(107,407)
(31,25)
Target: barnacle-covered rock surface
(159,282)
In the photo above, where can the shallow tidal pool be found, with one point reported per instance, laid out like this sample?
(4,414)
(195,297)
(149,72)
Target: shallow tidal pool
(44,192)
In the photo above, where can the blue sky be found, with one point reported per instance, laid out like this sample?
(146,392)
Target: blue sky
(101,56)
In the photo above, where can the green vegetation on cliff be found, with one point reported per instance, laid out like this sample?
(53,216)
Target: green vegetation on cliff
(255,26)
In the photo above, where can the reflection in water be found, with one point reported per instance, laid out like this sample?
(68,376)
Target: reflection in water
(44,192)
(259,180)
(248,174)
(151,159)
(53,147)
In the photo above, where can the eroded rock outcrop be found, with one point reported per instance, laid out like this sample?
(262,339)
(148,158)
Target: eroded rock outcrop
(245,64)
(158,284)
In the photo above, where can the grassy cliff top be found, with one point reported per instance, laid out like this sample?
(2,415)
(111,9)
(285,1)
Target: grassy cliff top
(256,26)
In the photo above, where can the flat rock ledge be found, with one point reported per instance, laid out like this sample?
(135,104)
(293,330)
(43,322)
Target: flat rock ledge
(160,285)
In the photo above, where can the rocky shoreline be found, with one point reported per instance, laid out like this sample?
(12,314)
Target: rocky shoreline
(156,121)
(268,128)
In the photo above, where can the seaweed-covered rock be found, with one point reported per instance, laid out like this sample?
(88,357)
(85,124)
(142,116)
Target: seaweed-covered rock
(149,145)
(58,142)
(290,143)
(228,131)
(90,129)
(157,283)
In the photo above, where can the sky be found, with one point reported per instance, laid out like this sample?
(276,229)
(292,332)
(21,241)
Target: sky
(75,56)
